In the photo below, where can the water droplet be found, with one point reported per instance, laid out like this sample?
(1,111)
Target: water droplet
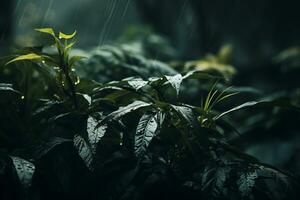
(43,62)
(77,81)
(22,97)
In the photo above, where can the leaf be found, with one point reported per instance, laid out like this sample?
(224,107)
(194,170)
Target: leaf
(66,36)
(145,131)
(271,103)
(48,105)
(175,81)
(46,30)
(244,105)
(214,181)
(95,133)
(137,83)
(246,182)
(74,59)
(46,146)
(198,74)
(70,45)
(127,109)
(30,56)
(25,170)
(186,114)
(7,87)
(84,151)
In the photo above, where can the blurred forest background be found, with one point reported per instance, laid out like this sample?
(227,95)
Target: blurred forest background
(258,30)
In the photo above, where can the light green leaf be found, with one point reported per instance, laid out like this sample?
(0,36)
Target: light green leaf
(30,56)
(70,45)
(66,36)
(46,30)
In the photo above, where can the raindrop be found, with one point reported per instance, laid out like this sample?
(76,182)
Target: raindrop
(77,81)
(22,97)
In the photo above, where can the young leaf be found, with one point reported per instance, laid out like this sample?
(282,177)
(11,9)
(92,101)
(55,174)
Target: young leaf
(145,131)
(30,56)
(46,30)
(66,36)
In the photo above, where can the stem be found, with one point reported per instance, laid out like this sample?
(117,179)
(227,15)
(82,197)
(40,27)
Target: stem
(68,78)
(72,87)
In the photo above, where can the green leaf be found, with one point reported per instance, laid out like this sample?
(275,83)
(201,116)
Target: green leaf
(214,181)
(84,151)
(145,131)
(30,56)
(46,30)
(66,36)
(246,182)
(186,115)
(25,170)
(198,74)
(137,83)
(74,59)
(175,81)
(95,133)
(127,109)
(70,45)
(7,87)
(284,103)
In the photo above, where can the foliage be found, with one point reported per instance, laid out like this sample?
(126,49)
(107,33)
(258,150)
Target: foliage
(124,139)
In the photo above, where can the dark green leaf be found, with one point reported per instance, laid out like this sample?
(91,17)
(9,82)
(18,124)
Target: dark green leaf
(25,170)
(145,131)
(84,151)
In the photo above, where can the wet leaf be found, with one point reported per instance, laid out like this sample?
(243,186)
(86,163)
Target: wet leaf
(66,36)
(30,56)
(145,131)
(84,151)
(46,30)
(25,170)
